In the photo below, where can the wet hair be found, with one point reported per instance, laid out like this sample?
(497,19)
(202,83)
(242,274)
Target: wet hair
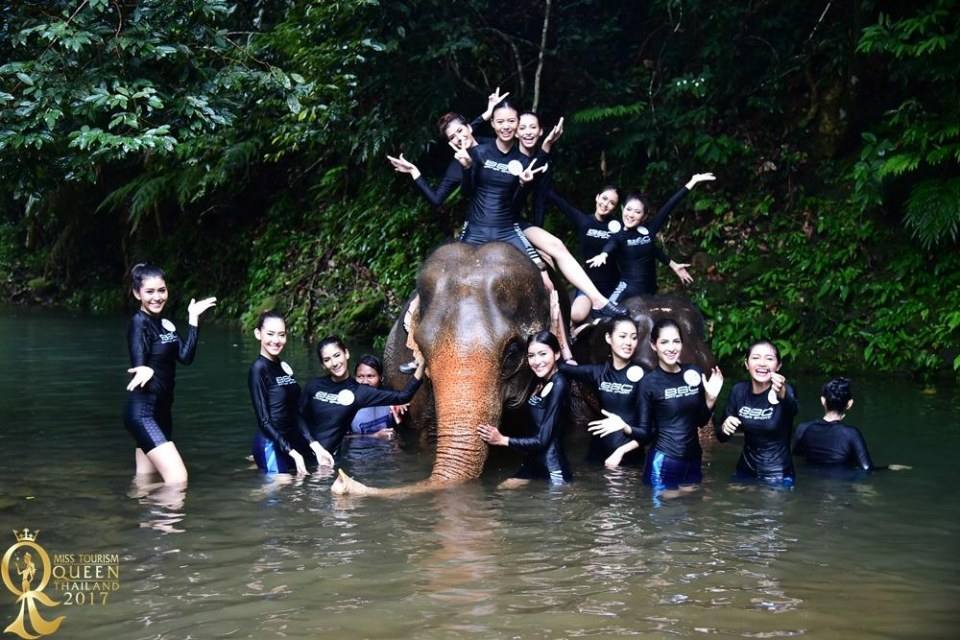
(530,113)
(612,326)
(446,119)
(837,394)
(636,195)
(544,337)
(506,104)
(326,342)
(266,315)
(662,324)
(142,271)
(371,361)
(776,351)
(610,187)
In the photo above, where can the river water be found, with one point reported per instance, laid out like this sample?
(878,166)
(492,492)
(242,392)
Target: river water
(239,557)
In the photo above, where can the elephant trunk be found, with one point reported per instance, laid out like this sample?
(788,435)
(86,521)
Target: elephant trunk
(466,389)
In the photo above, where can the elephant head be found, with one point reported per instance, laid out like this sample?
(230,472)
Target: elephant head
(477,306)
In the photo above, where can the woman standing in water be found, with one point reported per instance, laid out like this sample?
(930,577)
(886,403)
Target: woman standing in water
(155,348)
(282,441)
(676,400)
(547,411)
(329,403)
(764,408)
(633,247)
(617,384)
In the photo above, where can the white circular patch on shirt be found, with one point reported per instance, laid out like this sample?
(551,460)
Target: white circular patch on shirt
(691,377)
(614,226)
(634,373)
(287,369)
(547,388)
(169,326)
(642,230)
(515,167)
(772,397)
(346,397)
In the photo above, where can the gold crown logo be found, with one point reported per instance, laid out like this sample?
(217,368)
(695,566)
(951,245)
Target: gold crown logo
(26,535)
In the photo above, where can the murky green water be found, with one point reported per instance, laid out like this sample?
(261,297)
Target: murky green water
(238,558)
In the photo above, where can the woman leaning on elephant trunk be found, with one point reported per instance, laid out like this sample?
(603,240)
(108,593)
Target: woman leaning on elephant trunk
(547,407)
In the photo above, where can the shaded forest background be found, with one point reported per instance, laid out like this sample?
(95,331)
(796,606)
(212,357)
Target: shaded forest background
(241,145)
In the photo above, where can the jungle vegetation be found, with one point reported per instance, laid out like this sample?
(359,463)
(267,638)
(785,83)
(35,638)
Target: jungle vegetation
(241,145)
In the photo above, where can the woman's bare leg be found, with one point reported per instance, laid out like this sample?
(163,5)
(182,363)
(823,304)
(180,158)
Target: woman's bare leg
(568,265)
(168,462)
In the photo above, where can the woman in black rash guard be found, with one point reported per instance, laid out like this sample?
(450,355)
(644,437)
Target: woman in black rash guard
(617,384)
(547,410)
(829,442)
(763,408)
(633,247)
(593,232)
(329,403)
(155,347)
(675,401)
(492,182)
(281,443)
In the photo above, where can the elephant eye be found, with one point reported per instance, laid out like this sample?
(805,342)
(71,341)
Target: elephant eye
(513,357)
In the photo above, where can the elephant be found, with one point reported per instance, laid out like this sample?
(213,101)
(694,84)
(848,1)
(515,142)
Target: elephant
(477,306)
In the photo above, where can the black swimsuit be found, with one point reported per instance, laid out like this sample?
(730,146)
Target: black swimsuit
(155,343)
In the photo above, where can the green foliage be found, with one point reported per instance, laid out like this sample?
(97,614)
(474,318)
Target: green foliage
(917,141)
(242,144)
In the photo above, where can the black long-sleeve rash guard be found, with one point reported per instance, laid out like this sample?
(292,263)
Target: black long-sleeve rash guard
(447,185)
(823,442)
(673,408)
(328,407)
(619,393)
(493,188)
(154,342)
(275,393)
(634,249)
(766,429)
(548,413)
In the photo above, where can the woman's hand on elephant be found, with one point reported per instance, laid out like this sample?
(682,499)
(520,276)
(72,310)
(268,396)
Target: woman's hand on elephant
(681,270)
(698,178)
(712,385)
(605,426)
(398,411)
(402,165)
(598,260)
(730,425)
(491,435)
(421,364)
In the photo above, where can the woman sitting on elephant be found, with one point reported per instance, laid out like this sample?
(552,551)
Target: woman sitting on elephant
(675,401)
(492,176)
(593,231)
(617,386)
(633,248)
(329,403)
(547,407)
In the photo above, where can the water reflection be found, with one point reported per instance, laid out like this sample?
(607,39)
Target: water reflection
(164,504)
(257,557)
